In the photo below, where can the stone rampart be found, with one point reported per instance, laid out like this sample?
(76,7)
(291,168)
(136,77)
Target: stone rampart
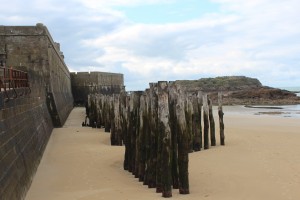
(84,83)
(33,47)
(26,122)
(25,127)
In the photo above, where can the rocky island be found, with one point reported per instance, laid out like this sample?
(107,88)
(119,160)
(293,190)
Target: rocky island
(240,90)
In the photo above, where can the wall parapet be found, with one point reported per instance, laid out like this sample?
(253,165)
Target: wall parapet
(26,122)
(85,83)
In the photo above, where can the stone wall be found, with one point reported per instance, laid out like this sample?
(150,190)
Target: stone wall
(25,127)
(26,122)
(33,47)
(84,83)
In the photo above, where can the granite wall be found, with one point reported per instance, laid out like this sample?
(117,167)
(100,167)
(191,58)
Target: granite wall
(26,122)
(84,83)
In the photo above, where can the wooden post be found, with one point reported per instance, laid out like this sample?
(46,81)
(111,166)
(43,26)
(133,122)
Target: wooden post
(173,124)
(129,146)
(165,134)
(135,132)
(141,140)
(212,124)
(147,131)
(111,119)
(154,167)
(206,122)
(126,138)
(183,146)
(107,124)
(98,100)
(115,121)
(200,100)
(189,120)
(196,124)
(93,110)
(221,114)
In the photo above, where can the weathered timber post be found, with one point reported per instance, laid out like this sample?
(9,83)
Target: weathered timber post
(141,139)
(173,124)
(153,166)
(126,139)
(159,159)
(212,124)
(107,112)
(189,120)
(221,114)
(200,100)
(99,111)
(116,132)
(165,133)
(123,116)
(183,146)
(103,110)
(113,130)
(135,131)
(206,122)
(112,121)
(147,137)
(93,110)
(131,128)
(196,124)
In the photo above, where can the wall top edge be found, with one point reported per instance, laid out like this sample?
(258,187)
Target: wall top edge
(95,72)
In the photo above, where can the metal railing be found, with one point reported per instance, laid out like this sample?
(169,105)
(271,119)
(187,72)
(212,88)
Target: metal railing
(13,83)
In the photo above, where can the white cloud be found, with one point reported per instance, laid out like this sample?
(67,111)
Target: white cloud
(258,38)
(94,4)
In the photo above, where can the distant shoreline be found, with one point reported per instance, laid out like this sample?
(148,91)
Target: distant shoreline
(263,107)
(291,89)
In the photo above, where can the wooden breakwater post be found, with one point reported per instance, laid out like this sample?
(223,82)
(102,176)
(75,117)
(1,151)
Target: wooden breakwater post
(134,105)
(205,122)
(173,96)
(164,132)
(211,124)
(183,144)
(107,113)
(159,127)
(116,117)
(152,163)
(221,122)
(196,124)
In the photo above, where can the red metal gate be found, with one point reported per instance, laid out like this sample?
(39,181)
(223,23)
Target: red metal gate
(13,83)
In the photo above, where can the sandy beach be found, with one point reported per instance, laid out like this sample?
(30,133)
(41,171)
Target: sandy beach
(261,160)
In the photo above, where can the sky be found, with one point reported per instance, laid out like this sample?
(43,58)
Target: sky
(156,40)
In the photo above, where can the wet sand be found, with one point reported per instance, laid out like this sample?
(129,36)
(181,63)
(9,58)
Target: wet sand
(261,160)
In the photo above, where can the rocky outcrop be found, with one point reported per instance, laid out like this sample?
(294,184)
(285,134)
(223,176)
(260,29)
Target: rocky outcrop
(240,90)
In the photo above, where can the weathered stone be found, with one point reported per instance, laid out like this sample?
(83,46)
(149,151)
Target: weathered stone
(26,122)
(85,83)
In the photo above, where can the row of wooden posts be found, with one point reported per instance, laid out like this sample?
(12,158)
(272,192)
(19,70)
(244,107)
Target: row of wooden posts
(158,127)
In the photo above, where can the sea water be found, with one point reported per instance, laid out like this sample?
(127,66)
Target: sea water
(292,89)
(276,111)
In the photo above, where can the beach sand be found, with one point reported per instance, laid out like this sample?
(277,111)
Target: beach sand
(261,160)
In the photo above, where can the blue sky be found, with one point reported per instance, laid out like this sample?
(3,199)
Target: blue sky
(168,12)
(153,40)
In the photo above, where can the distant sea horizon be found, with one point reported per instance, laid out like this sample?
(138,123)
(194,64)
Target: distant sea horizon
(295,89)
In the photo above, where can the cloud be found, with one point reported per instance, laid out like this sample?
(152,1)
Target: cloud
(258,38)
(94,4)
